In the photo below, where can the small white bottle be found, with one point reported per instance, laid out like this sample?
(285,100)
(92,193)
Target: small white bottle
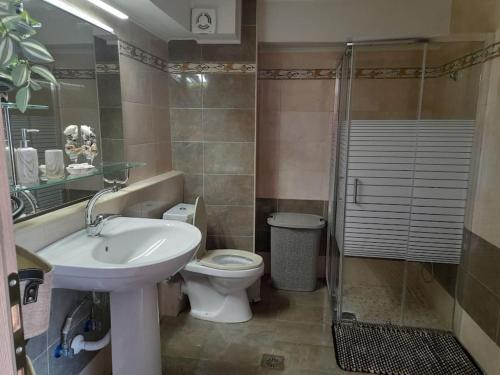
(26,161)
(9,163)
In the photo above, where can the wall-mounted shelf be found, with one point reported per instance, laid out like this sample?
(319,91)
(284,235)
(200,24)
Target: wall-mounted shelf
(106,170)
(10,105)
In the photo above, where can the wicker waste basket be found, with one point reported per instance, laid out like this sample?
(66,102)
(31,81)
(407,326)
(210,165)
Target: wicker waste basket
(295,242)
(35,276)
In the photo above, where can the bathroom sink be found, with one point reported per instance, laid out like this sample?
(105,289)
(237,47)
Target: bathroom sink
(127,259)
(129,253)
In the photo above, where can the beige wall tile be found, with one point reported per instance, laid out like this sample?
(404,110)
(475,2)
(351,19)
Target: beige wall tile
(307,95)
(267,169)
(142,153)
(268,128)
(78,93)
(293,184)
(111,120)
(229,91)
(230,220)
(479,302)
(306,127)
(159,87)
(229,158)
(188,157)
(193,187)
(161,125)
(304,156)
(269,95)
(229,190)
(230,242)
(79,115)
(163,156)
(138,123)
(186,124)
(269,59)
(484,350)
(229,125)
(185,90)
(113,150)
(136,81)
(486,214)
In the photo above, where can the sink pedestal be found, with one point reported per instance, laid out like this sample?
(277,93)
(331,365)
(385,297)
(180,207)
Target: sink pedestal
(135,332)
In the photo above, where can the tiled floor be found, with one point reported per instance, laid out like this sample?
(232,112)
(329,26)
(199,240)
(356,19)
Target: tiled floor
(295,325)
(291,324)
(384,305)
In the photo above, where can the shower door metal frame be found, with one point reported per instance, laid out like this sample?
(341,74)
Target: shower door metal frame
(335,273)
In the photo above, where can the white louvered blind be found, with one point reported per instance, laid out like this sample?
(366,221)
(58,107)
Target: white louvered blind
(412,180)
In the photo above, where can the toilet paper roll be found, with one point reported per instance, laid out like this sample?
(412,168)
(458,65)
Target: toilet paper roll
(54,161)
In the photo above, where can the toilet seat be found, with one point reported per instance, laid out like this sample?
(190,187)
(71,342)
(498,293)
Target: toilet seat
(230,259)
(196,267)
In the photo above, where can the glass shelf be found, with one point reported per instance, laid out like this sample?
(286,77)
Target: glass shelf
(105,170)
(10,105)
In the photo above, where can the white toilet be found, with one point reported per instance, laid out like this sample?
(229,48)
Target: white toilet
(215,281)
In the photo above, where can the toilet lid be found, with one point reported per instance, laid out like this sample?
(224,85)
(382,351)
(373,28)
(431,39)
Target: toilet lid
(229,259)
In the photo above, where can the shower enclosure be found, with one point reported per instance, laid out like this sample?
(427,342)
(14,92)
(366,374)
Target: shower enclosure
(400,174)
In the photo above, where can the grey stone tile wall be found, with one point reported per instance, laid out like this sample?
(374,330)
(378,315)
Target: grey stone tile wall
(212,118)
(478,287)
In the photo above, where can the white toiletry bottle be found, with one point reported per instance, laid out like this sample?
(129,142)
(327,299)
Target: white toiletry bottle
(9,162)
(26,161)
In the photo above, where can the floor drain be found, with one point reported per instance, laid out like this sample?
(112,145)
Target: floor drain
(273,362)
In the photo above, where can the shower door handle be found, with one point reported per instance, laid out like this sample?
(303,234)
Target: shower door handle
(356,183)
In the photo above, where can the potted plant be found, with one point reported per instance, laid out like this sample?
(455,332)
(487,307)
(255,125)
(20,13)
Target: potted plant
(21,56)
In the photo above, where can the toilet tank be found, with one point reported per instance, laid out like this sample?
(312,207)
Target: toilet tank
(180,212)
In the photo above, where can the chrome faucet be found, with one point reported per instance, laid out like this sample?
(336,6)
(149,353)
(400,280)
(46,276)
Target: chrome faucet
(94,226)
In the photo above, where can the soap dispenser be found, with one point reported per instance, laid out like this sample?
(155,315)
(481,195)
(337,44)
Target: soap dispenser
(26,161)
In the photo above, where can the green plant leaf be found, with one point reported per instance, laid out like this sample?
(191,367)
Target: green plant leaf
(11,21)
(20,74)
(35,85)
(15,36)
(35,51)
(25,30)
(6,76)
(44,73)
(6,51)
(22,98)
(4,8)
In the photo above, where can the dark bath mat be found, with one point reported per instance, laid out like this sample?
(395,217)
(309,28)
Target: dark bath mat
(393,350)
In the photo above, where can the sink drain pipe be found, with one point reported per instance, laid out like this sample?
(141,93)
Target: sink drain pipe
(78,343)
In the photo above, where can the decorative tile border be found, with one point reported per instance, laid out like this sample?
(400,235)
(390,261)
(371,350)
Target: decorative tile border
(138,54)
(107,68)
(211,68)
(74,73)
(449,69)
(280,74)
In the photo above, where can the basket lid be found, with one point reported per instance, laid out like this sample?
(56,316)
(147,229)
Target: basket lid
(296,220)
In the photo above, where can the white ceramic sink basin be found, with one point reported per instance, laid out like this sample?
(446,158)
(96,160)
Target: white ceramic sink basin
(127,259)
(129,253)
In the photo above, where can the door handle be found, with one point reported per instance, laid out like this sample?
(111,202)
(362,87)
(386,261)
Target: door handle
(356,183)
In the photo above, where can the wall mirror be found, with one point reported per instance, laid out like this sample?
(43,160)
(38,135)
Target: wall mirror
(86,99)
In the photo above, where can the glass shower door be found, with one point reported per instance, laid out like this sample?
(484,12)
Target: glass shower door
(373,221)
(441,180)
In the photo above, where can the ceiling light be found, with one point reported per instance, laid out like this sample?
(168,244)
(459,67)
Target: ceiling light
(108,8)
(79,13)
